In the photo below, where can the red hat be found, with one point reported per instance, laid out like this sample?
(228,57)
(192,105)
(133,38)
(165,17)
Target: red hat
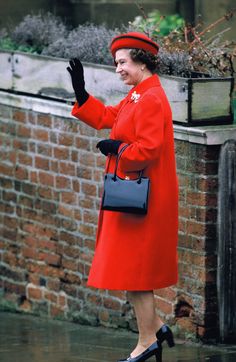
(133,40)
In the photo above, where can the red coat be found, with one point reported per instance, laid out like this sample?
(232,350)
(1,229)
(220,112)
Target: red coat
(136,252)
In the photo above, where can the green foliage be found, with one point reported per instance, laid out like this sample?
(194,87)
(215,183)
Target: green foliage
(157,25)
(8,44)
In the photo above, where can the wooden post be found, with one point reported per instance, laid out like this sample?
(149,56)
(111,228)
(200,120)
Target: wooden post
(226,278)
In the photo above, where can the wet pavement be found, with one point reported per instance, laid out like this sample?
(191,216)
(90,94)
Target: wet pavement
(31,339)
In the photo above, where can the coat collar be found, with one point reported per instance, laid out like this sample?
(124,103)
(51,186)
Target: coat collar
(135,93)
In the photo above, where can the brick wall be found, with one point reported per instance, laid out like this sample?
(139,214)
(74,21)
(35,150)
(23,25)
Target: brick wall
(50,184)
(194,300)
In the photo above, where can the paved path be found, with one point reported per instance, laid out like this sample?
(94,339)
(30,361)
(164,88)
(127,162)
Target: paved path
(32,339)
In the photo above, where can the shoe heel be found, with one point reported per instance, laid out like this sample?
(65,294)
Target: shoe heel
(158,354)
(170,340)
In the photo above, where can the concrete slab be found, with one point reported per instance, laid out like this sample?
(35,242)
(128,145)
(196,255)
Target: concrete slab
(26,338)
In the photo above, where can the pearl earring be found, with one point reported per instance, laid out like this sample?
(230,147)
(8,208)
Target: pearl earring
(142,68)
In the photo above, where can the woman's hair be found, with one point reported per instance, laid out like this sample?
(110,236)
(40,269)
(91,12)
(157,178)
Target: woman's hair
(145,57)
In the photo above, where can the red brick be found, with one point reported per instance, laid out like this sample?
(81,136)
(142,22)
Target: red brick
(74,156)
(87,230)
(167,294)
(110,303)
(9,258)
(187,325)
(10,222)
(87,159)
(68,197)
(90,217)
(95,299)
(100,161)
(25,159)
(46,178)
(26,201)
(77,214)
(76,185)
(53,284)
(34,293)
(47,245)
(71,251)
(29,253)
(66,211)
(103,315)
(19,116)
(72,278)
(44,120)
(45,150)
(21,173)
(56,311)
(195,228)
(51,271)
(45,192)
(62,300)
(24,131)
(13,287)
(54,166)
(34,279)
(89,189)
(65,139)
(67,168)
(207,184)
(32,118)
(70,264)
(82,143)
(53,259)
(52,297)
(33,176)
(41,163)
(63,182)
(6,170)
(41,135)
(196,198)
(164,306)
(61,153)
(83,172)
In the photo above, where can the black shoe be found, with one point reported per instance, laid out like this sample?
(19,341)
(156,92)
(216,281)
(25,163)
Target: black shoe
(165,334)
(154,350)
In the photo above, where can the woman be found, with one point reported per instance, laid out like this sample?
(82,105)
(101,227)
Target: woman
(136,253)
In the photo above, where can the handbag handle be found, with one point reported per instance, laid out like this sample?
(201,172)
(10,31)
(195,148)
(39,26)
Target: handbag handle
(118,159)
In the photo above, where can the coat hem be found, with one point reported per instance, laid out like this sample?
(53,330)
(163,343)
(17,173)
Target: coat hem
(128,288)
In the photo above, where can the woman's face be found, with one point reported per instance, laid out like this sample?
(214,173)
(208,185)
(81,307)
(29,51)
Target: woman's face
(131,73)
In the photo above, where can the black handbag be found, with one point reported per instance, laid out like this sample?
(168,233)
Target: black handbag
(125,195)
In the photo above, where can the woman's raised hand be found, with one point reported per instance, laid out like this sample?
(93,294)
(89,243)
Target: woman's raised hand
(76,71)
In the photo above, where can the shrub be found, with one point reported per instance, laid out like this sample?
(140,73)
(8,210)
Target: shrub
(88,42)
(38,31)
(190,49)
(184,50)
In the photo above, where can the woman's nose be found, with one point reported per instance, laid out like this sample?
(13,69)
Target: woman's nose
(118,68)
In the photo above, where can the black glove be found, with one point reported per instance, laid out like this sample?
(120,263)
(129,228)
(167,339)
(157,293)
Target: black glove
(76,71)
(109,146)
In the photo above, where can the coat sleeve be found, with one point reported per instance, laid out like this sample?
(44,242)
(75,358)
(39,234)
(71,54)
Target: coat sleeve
(149,123)
(94,113)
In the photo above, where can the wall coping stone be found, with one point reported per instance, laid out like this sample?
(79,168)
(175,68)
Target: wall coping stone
(206,135)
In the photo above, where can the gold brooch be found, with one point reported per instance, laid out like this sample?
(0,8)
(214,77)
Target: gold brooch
(135,97)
